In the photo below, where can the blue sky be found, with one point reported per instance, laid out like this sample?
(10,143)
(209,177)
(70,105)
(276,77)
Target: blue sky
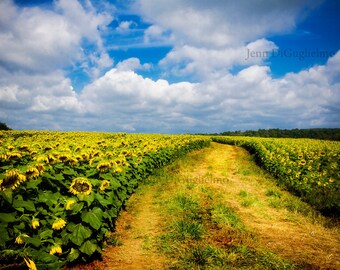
(160,66)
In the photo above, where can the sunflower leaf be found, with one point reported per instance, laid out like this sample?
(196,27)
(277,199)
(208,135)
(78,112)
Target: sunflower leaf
(7,217)
(28,205)
(73,255)
(79,234)
(94,217)
(88,248)
(7,195)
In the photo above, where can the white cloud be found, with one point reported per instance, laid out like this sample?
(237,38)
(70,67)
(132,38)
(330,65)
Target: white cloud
(204,62)
(210,37)
(125,26)
(27,99)
(249,99)
(123,100)
(37,40)
(132,64)
(155,34)
(216,24)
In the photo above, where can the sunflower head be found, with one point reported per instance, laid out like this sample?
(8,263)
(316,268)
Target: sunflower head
(64,157)
(73,161)
(52,159)
(12,180)
(81,185)
(3,156)
(30,264)
(69,203)
(40,167)
(56,249)
(104,185)
(13,155)
(43,159)
(10,147)
(118,170)
(35,223)
(303,162)
(103,166)
(24,147)
(58,224)
(20,239)
(32,172)
(125,152)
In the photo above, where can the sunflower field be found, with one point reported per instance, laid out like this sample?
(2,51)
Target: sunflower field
(307,167)
(61,192)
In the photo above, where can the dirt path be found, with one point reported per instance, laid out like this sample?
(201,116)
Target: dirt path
(230,171)
(136,231)
(290,234)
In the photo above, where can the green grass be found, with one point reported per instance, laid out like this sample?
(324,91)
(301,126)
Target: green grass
(226,216)
(273,193)
(187,229)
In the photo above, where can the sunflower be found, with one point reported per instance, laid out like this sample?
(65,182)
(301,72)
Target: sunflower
(81,185)
(69,203)
(12,180)
(10,147)
(58,224)
(14,155)
(303,162)
(56,249)
(3,156)
(104,184)
(51,159)
(118,161)
(64,157)
(48,148)
(124,152)
(30,264)
(24,148)
(40,167)
(20,239)
(43,159)
(32,172)
(73,161)
(35,223)
(118,170)
(103,166)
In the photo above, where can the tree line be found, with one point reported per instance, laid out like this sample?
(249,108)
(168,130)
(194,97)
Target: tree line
(3,126)
(313,133)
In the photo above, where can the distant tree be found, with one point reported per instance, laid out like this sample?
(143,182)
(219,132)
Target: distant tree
(3,126)
(315,133)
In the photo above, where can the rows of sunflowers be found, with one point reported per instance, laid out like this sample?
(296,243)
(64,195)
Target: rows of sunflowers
(61,192)
(308,167)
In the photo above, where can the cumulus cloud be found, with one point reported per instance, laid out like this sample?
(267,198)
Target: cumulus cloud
(28,100)
(123,100)
(210,37)
(125,26)
(132,64)
(36,45)
(155,34)
(37,40)
(205,62)
(249,99)
(215,23)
